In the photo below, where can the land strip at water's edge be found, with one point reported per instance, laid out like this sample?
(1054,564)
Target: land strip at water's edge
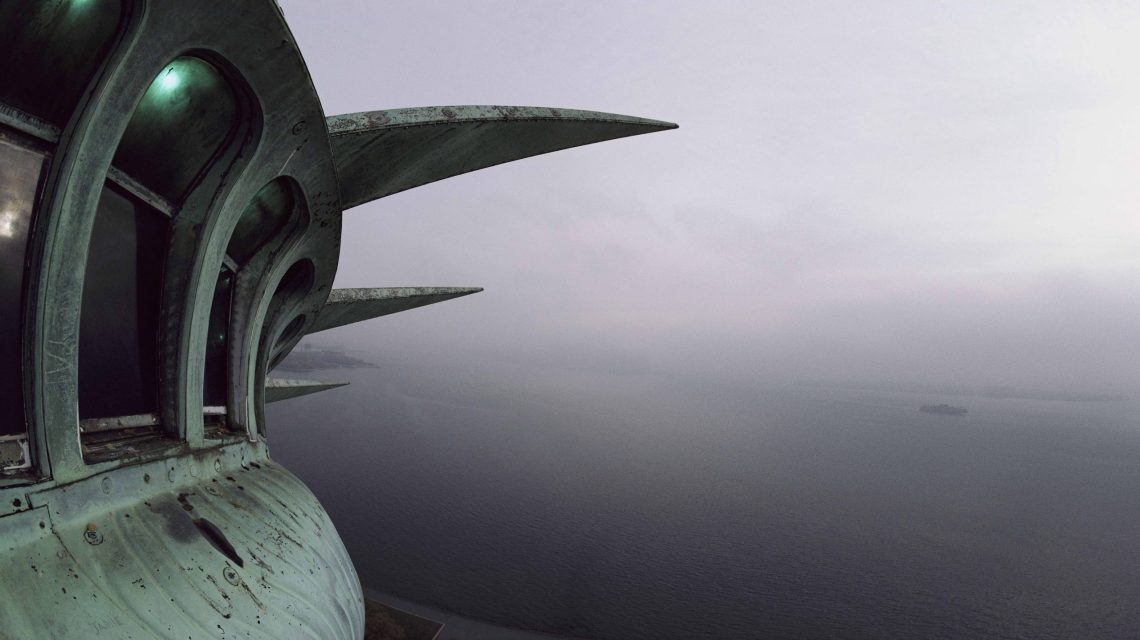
(454,627)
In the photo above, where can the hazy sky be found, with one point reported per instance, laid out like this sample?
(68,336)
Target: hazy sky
(943,192)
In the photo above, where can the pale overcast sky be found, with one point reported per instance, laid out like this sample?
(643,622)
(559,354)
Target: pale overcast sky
(897,191)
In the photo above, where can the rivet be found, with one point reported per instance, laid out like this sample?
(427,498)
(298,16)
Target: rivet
(300,127)
(217,464)
(170,474)
(91,535)
(210,489)
(231,576)
(107,485)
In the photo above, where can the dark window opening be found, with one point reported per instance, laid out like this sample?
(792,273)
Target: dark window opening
(121,296)
(217,361)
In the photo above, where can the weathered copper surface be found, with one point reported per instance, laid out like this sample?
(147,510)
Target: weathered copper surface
(347,306)
(277,389)
(380,153)
(172,521)
(187,547)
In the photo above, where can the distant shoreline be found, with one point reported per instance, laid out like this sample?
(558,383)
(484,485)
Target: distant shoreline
(306,358)
(993,393)
(457,627)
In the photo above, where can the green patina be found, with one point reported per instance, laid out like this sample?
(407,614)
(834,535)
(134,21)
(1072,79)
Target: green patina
(172,521)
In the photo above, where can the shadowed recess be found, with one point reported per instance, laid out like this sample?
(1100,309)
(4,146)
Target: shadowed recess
(263,219)
(51,49)
(118,328)
(347,306)
(182,120)
(379,153)
(291,331)
(295,285)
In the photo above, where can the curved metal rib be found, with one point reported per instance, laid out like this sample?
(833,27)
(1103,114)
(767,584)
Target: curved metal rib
(347,306)
(378,153)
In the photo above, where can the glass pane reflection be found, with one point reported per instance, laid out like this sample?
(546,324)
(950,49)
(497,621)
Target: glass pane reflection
(20,170)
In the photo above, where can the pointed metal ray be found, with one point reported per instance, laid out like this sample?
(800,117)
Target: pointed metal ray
(279,389)
(346,306)
(378,153)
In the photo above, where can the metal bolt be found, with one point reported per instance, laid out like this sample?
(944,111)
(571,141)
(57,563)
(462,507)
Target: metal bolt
(231,576)
(92,536)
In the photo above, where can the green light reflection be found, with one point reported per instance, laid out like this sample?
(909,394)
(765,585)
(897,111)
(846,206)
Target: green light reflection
(169,80)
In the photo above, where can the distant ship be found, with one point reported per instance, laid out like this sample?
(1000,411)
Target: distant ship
(943,409)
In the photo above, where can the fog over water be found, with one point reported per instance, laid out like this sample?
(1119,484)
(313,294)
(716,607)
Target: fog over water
(626,506)
(928,194)
(871,191)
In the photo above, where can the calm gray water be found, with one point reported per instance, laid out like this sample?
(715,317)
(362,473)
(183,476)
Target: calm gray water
(629,506)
